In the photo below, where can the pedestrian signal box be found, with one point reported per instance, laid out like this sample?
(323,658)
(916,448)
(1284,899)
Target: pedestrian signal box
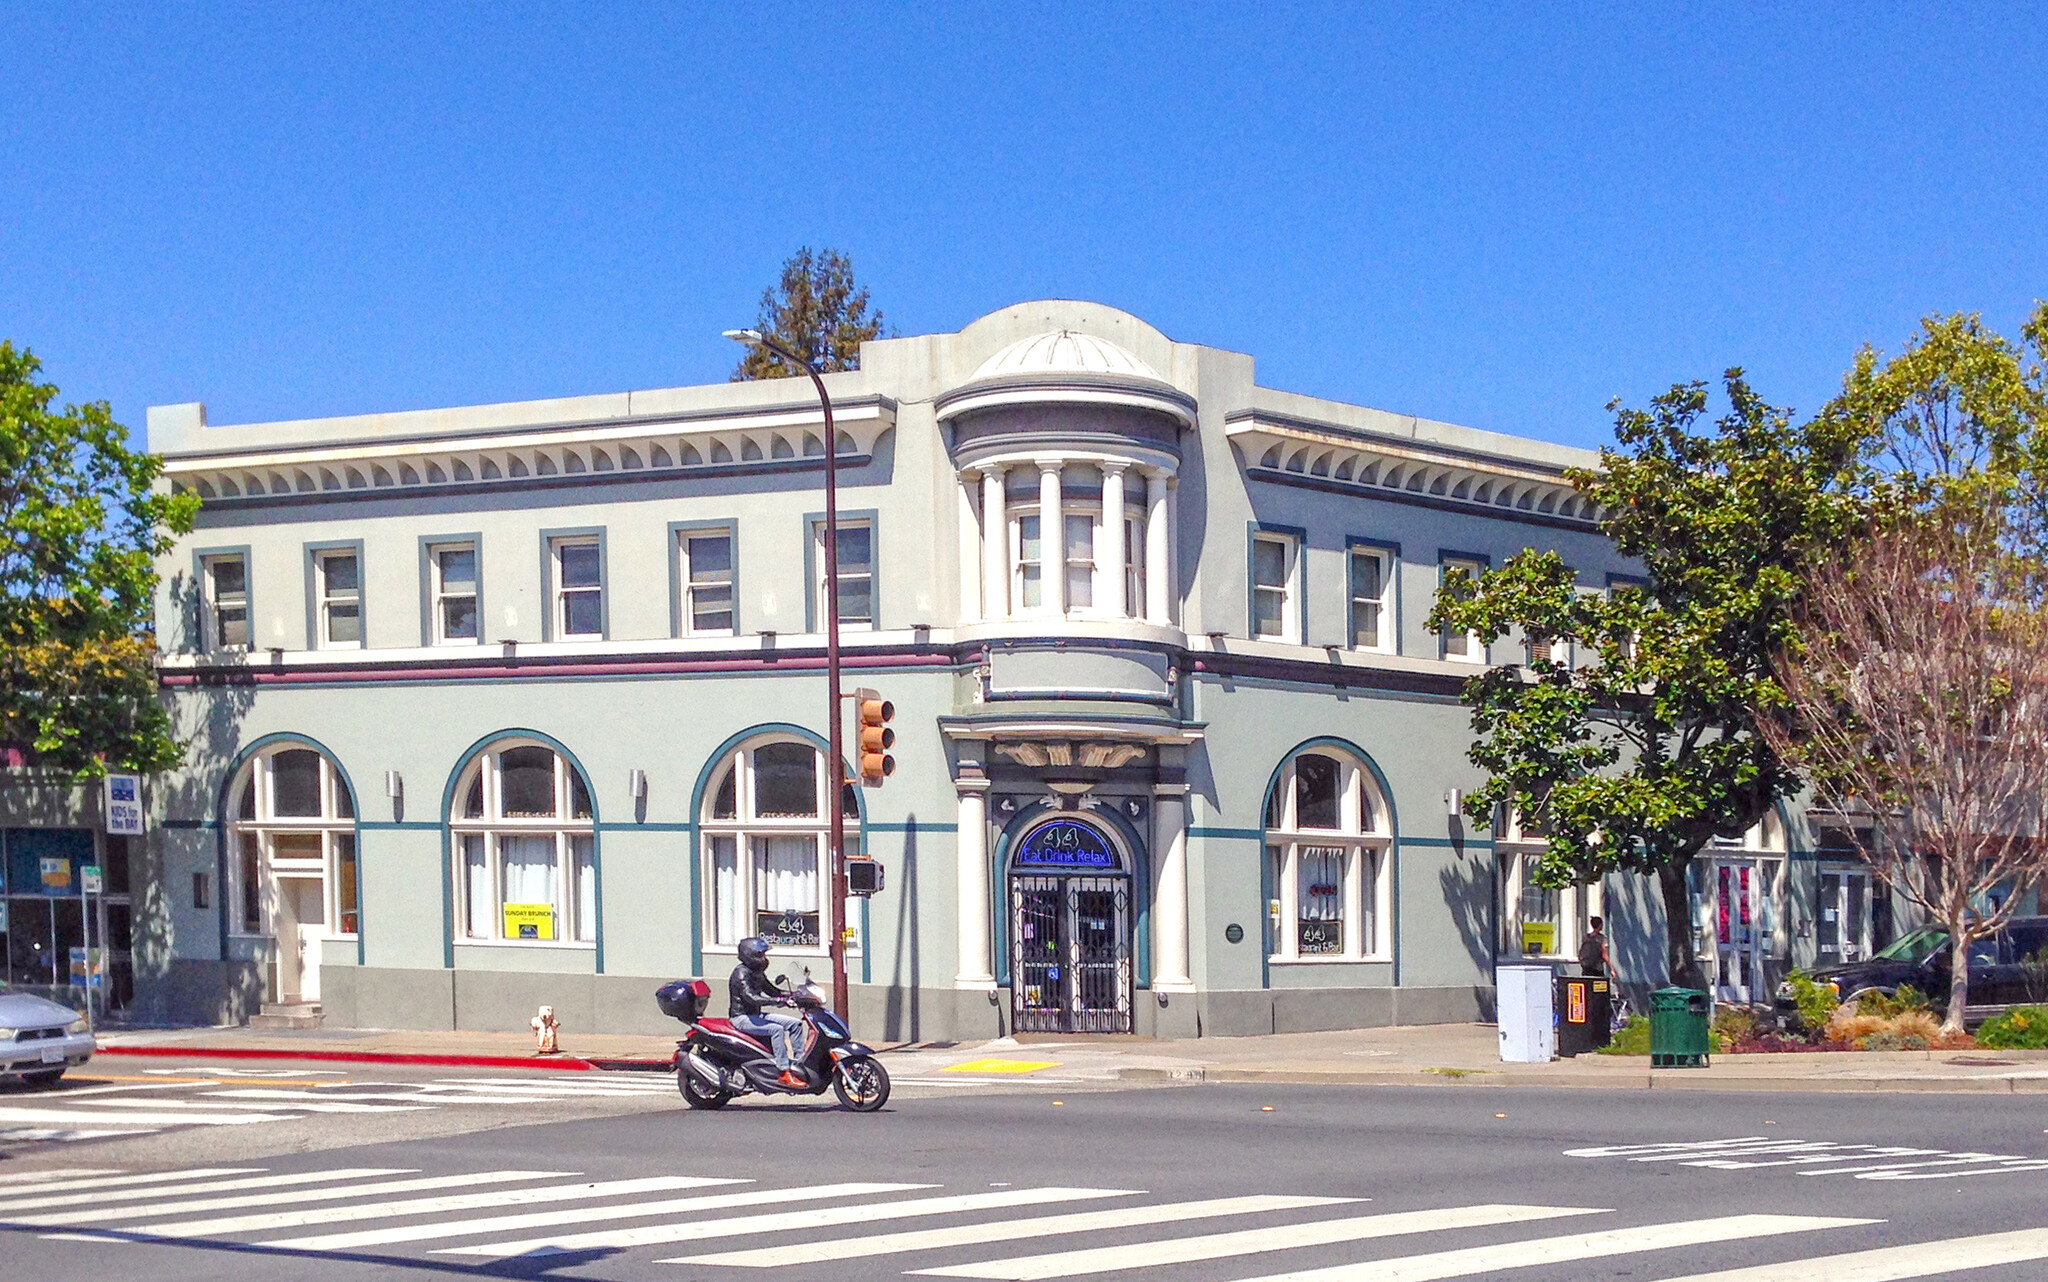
(873,714)
(863,877)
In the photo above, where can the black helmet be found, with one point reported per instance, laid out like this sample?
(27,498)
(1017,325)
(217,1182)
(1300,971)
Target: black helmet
(754,953)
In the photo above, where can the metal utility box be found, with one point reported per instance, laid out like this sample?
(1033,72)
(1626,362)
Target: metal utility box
(1585,1014)
(1528,1029)
(1679,1033)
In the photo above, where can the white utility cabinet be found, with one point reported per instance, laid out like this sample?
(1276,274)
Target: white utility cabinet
(1528,1027)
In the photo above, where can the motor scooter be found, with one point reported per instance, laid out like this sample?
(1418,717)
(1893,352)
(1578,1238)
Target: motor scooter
(716,1062)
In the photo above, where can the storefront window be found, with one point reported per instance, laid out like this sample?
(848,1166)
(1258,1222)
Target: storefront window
(294,823)
(48,923)
(1537,920)
(526,843)
(765,847)
(1326,848)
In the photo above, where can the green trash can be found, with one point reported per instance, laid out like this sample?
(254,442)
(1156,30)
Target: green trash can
(1679,1035)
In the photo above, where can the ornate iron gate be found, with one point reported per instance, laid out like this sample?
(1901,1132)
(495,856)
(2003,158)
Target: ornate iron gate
(1070,953)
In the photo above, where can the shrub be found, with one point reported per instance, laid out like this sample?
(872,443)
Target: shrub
(1852,1026)
(1632,1038)
(1817,1002)
(1916,1023)
(1734,1025)
(2022,1028)
(1892,1005)
(1890,1041)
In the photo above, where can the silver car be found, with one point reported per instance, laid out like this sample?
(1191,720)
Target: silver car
(40,1039)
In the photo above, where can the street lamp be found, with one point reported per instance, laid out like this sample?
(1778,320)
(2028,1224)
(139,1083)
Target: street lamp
(836,829)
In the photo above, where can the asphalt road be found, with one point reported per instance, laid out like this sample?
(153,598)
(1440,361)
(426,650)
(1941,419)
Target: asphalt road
(1192,1184)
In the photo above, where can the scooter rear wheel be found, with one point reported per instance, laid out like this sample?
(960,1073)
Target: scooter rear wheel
(696,1094)
(861,1083)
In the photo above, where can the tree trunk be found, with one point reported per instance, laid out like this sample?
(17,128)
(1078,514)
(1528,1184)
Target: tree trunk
(1958,980)
(1681,962)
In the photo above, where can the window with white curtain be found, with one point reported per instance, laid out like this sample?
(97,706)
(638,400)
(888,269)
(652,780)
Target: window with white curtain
(765,830)
(293,817)
(1326,850)
(527,855)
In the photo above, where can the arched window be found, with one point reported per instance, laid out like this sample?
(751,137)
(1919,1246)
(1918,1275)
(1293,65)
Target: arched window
(525,849)
(1537,921)
(764,825)
(1327,838)
(293,841)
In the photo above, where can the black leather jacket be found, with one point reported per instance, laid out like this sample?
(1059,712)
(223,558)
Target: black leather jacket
(750,991)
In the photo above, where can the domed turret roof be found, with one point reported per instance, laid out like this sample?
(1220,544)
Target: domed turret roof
(1062,351)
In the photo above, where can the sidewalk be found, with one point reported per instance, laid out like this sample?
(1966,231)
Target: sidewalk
(1446,1055)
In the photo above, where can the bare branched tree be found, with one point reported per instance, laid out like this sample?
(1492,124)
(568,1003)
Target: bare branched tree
(1918,694)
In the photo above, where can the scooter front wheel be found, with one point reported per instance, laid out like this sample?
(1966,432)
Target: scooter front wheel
(696,1094)
(861,1083)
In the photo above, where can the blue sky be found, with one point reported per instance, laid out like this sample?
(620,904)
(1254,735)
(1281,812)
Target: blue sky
(1502,216)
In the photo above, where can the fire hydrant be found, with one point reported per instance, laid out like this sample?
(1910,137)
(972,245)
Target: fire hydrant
(545,1026)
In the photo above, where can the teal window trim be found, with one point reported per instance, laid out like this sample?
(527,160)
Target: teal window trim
(1444,558)
(1390,591)
(429,543)
(814,541)
(1297,579)
(679,591)
(202,596)
(314,639)
(549,538)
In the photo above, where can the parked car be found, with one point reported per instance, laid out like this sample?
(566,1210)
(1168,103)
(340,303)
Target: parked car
(2007,969)
(39,1039)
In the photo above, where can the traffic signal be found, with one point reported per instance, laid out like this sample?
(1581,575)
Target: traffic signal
(875,737)
(863,877)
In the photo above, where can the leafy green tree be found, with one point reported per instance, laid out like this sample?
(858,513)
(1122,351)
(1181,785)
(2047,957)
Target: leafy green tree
(83,525)
(817,311)
(1634,742)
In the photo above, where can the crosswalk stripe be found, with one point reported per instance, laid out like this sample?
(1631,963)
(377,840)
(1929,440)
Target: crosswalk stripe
(663,1083)
(297,1099)
(101,1214)
(45,1177)
(512,1223)
(1475,1260)
(296,1219)
(861,1248)
(44,1134)
(313,1104)
(112,1179)
(101,1196)
(1895,1263)
(59,1117)
(661,1234)
(1278,1237)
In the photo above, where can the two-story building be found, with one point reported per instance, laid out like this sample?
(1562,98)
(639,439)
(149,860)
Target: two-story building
(515,704)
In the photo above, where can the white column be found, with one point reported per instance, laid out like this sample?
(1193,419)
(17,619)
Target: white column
(1109,557)
(1158,549)
(971,851)
(1052,539)
(1170,887)
(995,546)
(970,549)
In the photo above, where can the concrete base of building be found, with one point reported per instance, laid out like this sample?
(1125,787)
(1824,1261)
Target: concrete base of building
(960,1015)
(504,1001)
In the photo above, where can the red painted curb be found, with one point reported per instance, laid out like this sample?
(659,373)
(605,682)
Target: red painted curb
(384,1057)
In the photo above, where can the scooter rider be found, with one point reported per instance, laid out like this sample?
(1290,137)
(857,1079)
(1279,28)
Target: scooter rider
(752,998)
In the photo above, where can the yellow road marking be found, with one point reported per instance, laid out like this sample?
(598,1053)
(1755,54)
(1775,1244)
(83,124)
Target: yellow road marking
(1001,1066)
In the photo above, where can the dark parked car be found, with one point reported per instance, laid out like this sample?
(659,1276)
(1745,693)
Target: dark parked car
(2006,969)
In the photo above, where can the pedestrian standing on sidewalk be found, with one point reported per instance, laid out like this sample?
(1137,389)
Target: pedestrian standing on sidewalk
(1593,958)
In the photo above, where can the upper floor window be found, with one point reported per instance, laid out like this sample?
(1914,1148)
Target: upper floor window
(1275,573)
(337,581)
(224,603)
(1327,838)
(1372,615)
(452,589)
(856,540)
(577,574)
(1464,646)
(293,835)
(527,866)
(765,825)
(704,570)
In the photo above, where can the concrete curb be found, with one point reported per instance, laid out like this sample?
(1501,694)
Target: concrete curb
(1668,1080)
(553,1063)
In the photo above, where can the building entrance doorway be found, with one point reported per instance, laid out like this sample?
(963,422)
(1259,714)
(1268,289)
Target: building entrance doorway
(1742,923)
(301,925)
(1070,932)
(1850,919)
